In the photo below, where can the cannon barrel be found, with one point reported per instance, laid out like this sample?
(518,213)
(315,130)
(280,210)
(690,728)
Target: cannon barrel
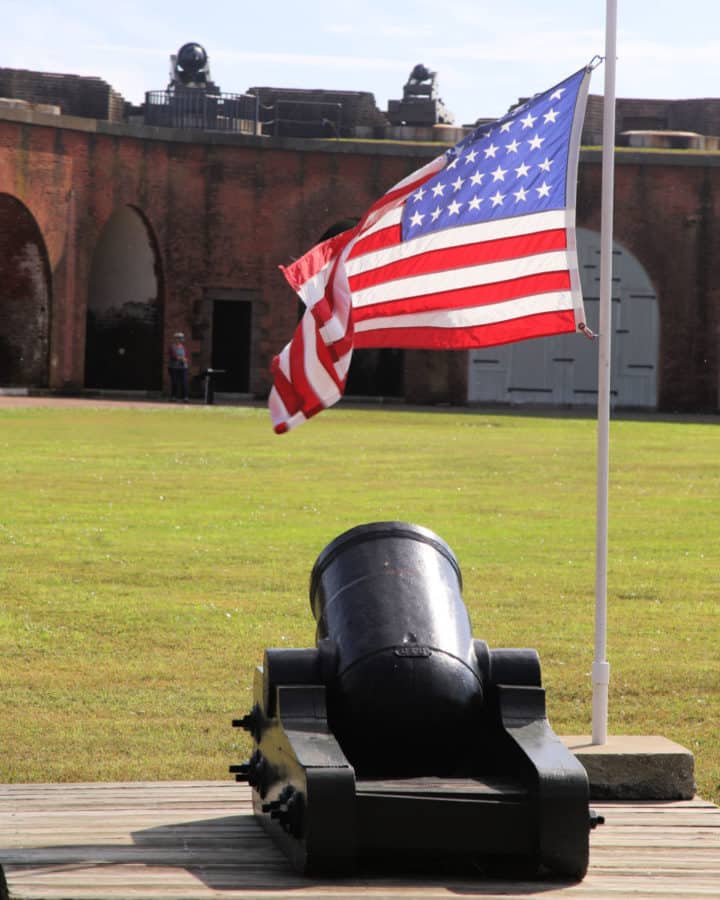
(407,685)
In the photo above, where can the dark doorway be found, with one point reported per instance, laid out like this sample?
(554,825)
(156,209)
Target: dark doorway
(376,373)
(231,333)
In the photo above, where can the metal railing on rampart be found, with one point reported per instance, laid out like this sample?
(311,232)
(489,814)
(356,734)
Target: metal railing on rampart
(302,118)
(193,108)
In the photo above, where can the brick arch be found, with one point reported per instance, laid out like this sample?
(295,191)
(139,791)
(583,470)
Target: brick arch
(338,227)
(124,331)
(25,293)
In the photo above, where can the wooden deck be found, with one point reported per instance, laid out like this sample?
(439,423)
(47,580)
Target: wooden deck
(198,839)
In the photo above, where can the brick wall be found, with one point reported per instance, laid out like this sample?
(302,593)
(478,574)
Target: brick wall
(667,213)
(226,211)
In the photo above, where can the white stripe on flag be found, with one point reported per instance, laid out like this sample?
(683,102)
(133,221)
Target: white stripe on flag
(453,237)
(555,301)
(456,279)
(321,383)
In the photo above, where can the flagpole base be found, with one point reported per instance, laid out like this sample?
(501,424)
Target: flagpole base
(635,767)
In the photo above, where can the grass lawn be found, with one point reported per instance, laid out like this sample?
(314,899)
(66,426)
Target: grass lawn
(149,555)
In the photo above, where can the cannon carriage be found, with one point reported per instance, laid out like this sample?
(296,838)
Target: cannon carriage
(399,738)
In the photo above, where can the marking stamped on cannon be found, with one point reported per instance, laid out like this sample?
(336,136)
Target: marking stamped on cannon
(412,650)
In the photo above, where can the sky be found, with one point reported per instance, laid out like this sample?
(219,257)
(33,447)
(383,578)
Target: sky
(486,55)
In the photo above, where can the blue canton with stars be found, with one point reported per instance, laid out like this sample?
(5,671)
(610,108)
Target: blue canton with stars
(515,166)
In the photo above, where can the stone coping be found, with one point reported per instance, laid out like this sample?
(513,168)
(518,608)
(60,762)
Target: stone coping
(635,767)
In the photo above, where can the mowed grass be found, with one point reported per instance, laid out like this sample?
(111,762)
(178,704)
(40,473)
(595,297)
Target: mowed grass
(149,555)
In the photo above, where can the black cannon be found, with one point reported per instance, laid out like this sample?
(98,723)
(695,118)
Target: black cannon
(399,737)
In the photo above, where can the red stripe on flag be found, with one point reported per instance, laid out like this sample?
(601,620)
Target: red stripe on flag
(477,295)
(307,399)
(409,338)
(377,240)
(285,389)
(312,262)
(322,311)
(298,376)
(326,358)
(343,346)
(459,257)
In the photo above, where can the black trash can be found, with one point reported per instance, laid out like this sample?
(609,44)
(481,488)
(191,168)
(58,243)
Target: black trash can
(209,376)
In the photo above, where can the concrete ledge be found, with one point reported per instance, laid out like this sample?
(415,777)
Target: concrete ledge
(14,392)
(635,767)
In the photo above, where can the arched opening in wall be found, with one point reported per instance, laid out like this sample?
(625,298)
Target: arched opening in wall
(562,370)
(24,298)
(123,344)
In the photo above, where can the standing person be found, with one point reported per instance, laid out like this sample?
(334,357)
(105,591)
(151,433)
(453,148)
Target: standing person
(178,368)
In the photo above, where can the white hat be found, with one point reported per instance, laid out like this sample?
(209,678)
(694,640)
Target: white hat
(179,334)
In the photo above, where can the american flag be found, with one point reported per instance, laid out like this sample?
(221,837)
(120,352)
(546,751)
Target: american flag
(474,249)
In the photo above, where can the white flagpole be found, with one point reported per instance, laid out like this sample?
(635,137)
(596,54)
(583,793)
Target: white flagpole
(601,667)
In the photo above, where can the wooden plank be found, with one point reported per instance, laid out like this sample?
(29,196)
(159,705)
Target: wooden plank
(449,787)
(188,841)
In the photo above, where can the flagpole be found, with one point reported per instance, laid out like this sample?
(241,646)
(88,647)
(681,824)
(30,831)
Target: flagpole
(601,667)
